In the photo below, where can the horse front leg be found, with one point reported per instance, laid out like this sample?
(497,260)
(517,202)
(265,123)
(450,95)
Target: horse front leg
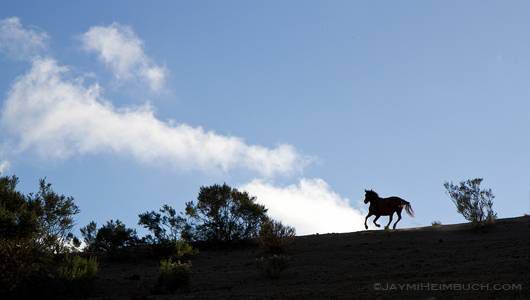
(366,219)
(389,221)
(376,217)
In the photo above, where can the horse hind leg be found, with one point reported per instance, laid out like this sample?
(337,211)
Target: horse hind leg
(376,217)
(399,217)
(389,221)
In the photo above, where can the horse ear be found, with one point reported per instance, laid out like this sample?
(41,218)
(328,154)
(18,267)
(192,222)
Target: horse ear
(366,191)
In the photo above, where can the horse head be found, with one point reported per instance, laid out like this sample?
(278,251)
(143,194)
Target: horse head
(370,195)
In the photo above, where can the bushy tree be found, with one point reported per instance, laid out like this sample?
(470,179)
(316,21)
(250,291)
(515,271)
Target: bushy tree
(45,216)
(18,216)
(56,217)
(33,229)
(165,225)
(111,237)
(223,214)
(472,202)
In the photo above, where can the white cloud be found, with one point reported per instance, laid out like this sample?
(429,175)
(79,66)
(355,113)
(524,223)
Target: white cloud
(311,206)
(4,165)
(122,51)
(19,42)
(59,117)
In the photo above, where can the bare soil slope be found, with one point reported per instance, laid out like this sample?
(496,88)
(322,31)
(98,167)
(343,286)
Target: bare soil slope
(359,265)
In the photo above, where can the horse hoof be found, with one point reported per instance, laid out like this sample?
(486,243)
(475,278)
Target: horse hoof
(377,225)
(366,226)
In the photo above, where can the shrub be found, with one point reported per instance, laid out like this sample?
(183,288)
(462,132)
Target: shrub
(182,249)
(78,268)
(18,262)
(472,202)
(274,237)
(272,266)
(436,223)
(178,250)
(223,214)
(27,273)
(173,275)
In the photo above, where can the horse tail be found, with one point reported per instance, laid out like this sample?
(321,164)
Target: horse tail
(408,209)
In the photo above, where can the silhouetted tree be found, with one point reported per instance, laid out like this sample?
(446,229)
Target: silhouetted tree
(114,236)
(18,216)
(165,225)
(56,214)
(88,233)
(44,216)
(472,202)
(33,228)
(223,213)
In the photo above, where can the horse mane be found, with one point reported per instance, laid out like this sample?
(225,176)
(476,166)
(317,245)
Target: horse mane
(371,194)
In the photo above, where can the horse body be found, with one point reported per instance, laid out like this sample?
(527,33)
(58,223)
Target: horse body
(385,207)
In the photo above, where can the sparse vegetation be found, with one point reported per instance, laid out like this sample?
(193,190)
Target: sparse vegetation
(182,249)
(472,202)
(78,268)
(272,266)
(274,237)
(436,223)
(173,275)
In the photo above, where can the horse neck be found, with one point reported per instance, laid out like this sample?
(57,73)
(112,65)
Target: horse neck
(375,200)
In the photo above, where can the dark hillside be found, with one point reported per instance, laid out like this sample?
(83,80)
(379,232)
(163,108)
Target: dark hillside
(350,266)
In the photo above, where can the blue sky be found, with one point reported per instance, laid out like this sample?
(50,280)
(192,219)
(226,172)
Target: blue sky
(335,96)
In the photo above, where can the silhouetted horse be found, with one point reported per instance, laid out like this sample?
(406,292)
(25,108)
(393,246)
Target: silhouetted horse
(385,207)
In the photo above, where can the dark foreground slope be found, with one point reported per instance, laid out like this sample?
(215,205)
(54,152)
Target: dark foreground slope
(364,265)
